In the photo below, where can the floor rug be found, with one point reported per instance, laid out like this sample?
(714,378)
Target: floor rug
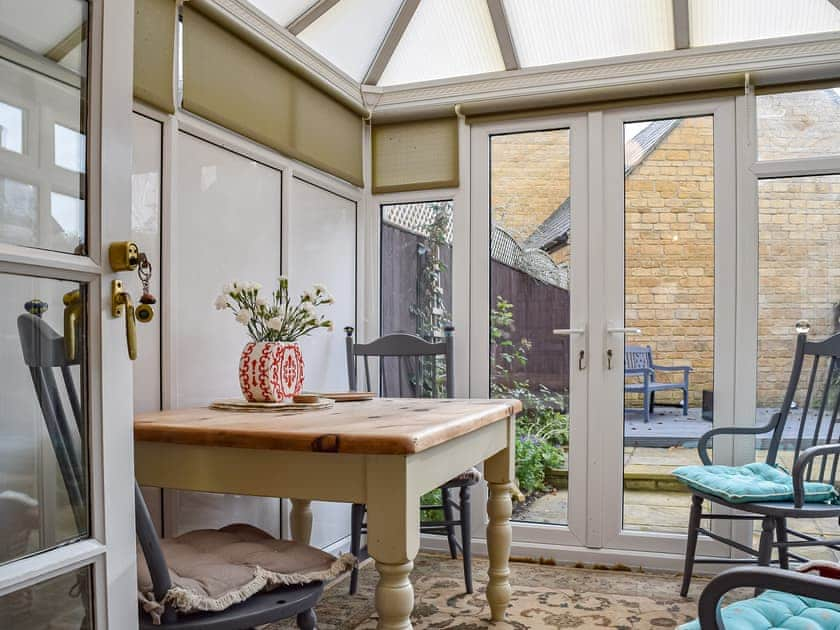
(544,596)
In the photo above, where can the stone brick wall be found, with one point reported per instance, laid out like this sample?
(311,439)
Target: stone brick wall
(529,178)
(669,254)
(669,219)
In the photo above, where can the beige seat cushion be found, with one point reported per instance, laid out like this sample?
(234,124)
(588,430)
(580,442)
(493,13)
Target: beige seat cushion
(212,569)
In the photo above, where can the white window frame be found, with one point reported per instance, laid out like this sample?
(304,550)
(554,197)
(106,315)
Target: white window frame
(110,549)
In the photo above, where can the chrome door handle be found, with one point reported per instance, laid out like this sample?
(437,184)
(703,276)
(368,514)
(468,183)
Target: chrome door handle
(628,331)
(569,331)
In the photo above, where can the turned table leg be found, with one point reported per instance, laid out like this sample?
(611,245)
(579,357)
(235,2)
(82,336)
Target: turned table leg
(301,520)
(393,539)
(499,471)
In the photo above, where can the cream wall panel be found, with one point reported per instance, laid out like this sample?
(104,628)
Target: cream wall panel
(226,226)
(322,249)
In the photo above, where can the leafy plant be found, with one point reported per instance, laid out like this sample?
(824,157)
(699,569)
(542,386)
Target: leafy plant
(429,310)
(542,427)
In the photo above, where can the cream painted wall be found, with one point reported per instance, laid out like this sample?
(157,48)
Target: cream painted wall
(322,249)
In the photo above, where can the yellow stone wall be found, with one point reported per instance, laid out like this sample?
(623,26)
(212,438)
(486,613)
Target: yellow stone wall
(669,224)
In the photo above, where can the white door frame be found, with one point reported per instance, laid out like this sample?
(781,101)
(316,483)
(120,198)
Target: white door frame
(597,284)
(110,549)
(608,408)
(578,530)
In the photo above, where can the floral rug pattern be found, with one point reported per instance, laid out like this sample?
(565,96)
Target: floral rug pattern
(543,597)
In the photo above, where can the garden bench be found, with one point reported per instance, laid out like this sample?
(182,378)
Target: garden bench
(638,361)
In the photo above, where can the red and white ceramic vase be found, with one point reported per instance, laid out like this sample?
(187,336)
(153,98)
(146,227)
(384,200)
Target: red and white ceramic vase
(270,371)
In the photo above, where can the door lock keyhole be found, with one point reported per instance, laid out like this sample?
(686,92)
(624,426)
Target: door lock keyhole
(609,358)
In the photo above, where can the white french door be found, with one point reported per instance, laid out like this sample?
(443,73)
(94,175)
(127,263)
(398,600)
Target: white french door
(669,243)
(590,233)
(67,542)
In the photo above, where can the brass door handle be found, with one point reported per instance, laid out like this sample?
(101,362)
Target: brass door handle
(121,304)
(72,318)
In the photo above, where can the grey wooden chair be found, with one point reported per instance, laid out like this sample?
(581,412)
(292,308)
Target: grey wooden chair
(638,361)
(415,376)
(816,450)
(44,353)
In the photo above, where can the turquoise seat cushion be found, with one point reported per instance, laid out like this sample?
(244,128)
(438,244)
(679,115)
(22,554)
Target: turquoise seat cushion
(751,483)
(773,609)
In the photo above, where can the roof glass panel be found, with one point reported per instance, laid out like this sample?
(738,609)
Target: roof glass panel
(725,21)
(350,42)
(282,11)
(558,32)
(445,39)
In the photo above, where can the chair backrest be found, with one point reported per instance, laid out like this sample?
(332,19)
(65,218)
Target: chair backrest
(818,410)
(637,357)
(418,369)
(44,353)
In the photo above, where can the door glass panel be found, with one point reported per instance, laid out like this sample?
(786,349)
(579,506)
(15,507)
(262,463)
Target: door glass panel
(798,124)
(43,124)
(43,464)
(669,296)
(798,262)
(11,128)
(61,602)
(416,288)
(530,251)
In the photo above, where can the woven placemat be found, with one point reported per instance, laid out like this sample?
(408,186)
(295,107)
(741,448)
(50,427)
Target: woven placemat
(240,404)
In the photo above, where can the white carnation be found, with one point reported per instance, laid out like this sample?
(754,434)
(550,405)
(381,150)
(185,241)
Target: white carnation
(220,303)
(319,288)
(244,316)
(275,323)
(261,302)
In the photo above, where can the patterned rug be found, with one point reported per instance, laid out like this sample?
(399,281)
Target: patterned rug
(543,597)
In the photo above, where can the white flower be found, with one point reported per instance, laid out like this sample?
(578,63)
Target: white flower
(275,323)
(328,325)
(319,289)
(328,300)
(308,308)
(306,296)
(244,316)
(228,288)
(261,302)
(220,303)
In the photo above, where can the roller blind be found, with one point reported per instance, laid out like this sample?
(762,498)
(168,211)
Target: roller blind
(417,155)
(233,84)
(154,52)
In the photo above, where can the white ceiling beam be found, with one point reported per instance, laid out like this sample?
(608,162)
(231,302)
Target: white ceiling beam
(392,39)
(306,18)
(501,25)
(68,43)
(682,27)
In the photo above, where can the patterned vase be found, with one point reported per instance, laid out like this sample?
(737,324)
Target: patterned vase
(270,371)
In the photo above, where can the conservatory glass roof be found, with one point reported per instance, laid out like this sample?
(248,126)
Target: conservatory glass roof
(391,42)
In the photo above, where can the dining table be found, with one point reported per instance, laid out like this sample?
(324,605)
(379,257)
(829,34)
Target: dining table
(385,453)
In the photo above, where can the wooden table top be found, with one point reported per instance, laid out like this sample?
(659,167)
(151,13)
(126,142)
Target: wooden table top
(386,426)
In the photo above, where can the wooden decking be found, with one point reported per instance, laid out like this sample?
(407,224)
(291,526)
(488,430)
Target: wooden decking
(668,427)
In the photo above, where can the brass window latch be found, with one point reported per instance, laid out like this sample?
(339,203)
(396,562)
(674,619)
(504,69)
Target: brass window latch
(126,256)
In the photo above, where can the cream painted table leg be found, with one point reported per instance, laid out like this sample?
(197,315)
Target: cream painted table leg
(499,472)
(393,538)
(301,520)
